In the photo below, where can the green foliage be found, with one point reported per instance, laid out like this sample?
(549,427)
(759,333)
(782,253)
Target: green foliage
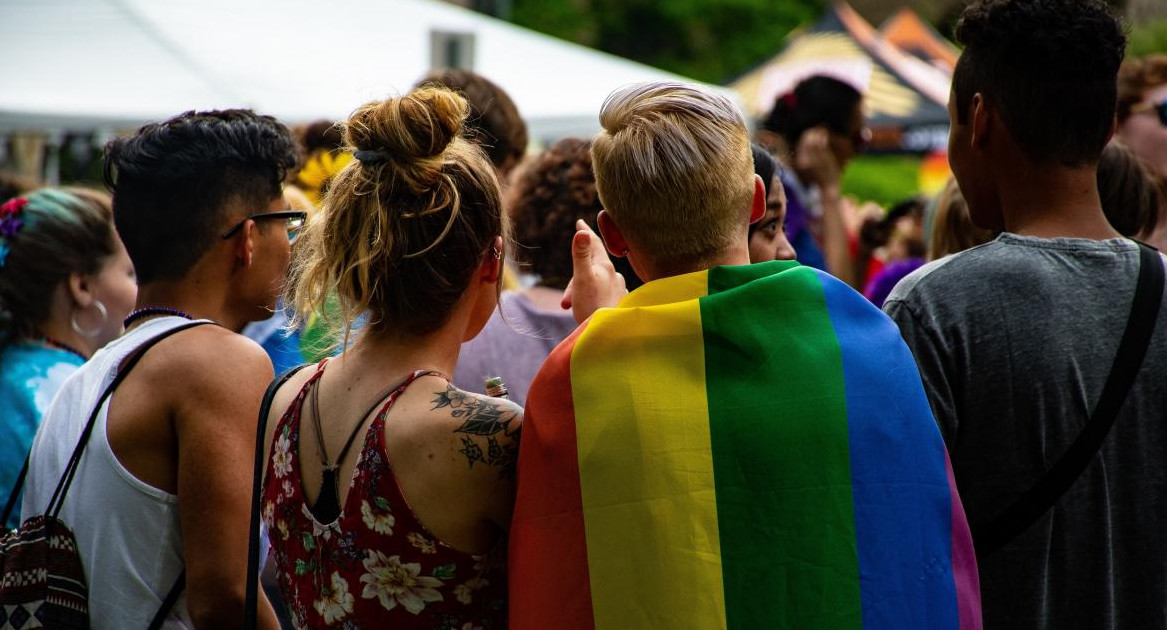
(708,40)
(1147,38)
(884,179)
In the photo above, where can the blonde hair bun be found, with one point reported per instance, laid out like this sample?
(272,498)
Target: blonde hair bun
(411,132)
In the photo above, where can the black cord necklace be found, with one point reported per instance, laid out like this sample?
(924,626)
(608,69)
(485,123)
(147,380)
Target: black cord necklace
(151,311)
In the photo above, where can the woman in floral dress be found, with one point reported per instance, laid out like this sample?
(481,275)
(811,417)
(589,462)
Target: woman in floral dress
(388,491)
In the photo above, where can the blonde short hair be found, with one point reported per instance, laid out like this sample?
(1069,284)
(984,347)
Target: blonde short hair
(674,170)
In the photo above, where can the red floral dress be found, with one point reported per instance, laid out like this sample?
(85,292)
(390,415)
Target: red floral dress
(376,565)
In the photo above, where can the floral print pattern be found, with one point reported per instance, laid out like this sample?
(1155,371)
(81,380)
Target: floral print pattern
(393,583)
(376,565)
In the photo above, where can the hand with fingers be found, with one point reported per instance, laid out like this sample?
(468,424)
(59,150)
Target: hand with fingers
(595,283)
(813,156)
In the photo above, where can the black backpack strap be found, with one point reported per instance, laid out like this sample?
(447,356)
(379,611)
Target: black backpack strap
(168,603)
(16,488)
(252,601)
(1132,349)
(58,499)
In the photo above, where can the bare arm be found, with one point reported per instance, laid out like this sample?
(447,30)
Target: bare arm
(836,246)
(813,156)
(216,423)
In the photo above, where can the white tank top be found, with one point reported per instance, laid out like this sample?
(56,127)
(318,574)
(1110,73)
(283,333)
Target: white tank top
(127,531)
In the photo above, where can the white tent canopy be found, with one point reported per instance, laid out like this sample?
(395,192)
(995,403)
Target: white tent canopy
(112,64)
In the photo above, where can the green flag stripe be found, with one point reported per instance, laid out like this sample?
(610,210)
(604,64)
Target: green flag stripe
(780,453)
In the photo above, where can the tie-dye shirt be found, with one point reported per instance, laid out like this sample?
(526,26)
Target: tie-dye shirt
(30,375)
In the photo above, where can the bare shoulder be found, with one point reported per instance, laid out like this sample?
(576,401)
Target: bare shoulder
(484,431)
(286,394)
(209,347)
(212,369)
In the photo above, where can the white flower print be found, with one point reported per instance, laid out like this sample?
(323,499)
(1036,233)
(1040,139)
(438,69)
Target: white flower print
(380,523)
(465,592)
(336,601)
(281,460)
(282,527)
(318,530)
(421,542)
(269,512)
(393,583)
(288,488)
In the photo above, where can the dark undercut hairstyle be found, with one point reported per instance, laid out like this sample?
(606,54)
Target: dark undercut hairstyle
(1049,67)
(173,183)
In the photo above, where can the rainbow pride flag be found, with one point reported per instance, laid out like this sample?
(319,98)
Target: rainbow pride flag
(744,447)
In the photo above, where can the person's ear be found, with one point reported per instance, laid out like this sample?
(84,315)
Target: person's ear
(758,204)
(979,121)
(614,239)
(491,268)
(245,244)
(80,290)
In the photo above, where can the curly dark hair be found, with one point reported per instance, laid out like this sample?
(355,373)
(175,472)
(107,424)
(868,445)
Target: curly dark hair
(494,122)
(173,181)
(552,192)
(1049,67)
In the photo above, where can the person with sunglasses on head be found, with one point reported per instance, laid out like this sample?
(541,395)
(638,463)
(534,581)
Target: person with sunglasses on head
(1142,126)
(159,502)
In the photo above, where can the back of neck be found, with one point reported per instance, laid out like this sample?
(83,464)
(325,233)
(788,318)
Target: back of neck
(1053,202)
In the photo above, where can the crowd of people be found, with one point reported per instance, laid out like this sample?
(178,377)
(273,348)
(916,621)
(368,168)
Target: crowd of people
(665,377)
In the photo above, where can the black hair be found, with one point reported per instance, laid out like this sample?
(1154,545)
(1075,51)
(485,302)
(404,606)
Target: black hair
(875,233)
(172,183)
(765,166)
(322,135)
(1129,196)
(818,100)
(1049,67)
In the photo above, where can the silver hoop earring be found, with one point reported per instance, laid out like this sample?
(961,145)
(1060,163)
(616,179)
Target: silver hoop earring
(494,251)
(93,332)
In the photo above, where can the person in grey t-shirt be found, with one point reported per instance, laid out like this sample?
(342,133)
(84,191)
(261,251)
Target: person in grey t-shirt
(1015,338)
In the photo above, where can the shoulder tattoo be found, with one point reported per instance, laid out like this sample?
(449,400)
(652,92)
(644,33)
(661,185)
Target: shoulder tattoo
(484,421)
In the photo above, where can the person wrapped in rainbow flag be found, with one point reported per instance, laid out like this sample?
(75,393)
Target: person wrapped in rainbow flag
(730,445)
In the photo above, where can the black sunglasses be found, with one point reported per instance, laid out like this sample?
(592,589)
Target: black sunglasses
(295,220)
(1158,108)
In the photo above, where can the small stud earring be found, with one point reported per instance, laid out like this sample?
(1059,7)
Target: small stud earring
(494,251)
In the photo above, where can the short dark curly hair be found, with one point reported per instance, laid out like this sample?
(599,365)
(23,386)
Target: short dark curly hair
(495,123)
(172,183)
(1049,67)
(557,188)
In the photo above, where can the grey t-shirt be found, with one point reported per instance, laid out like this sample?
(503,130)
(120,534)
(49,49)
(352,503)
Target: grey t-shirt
(1015,339)
(513,347)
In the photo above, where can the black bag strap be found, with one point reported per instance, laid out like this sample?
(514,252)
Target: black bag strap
(58,499)
(1132,349)
(168,603)
(252,601)
(16,488)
